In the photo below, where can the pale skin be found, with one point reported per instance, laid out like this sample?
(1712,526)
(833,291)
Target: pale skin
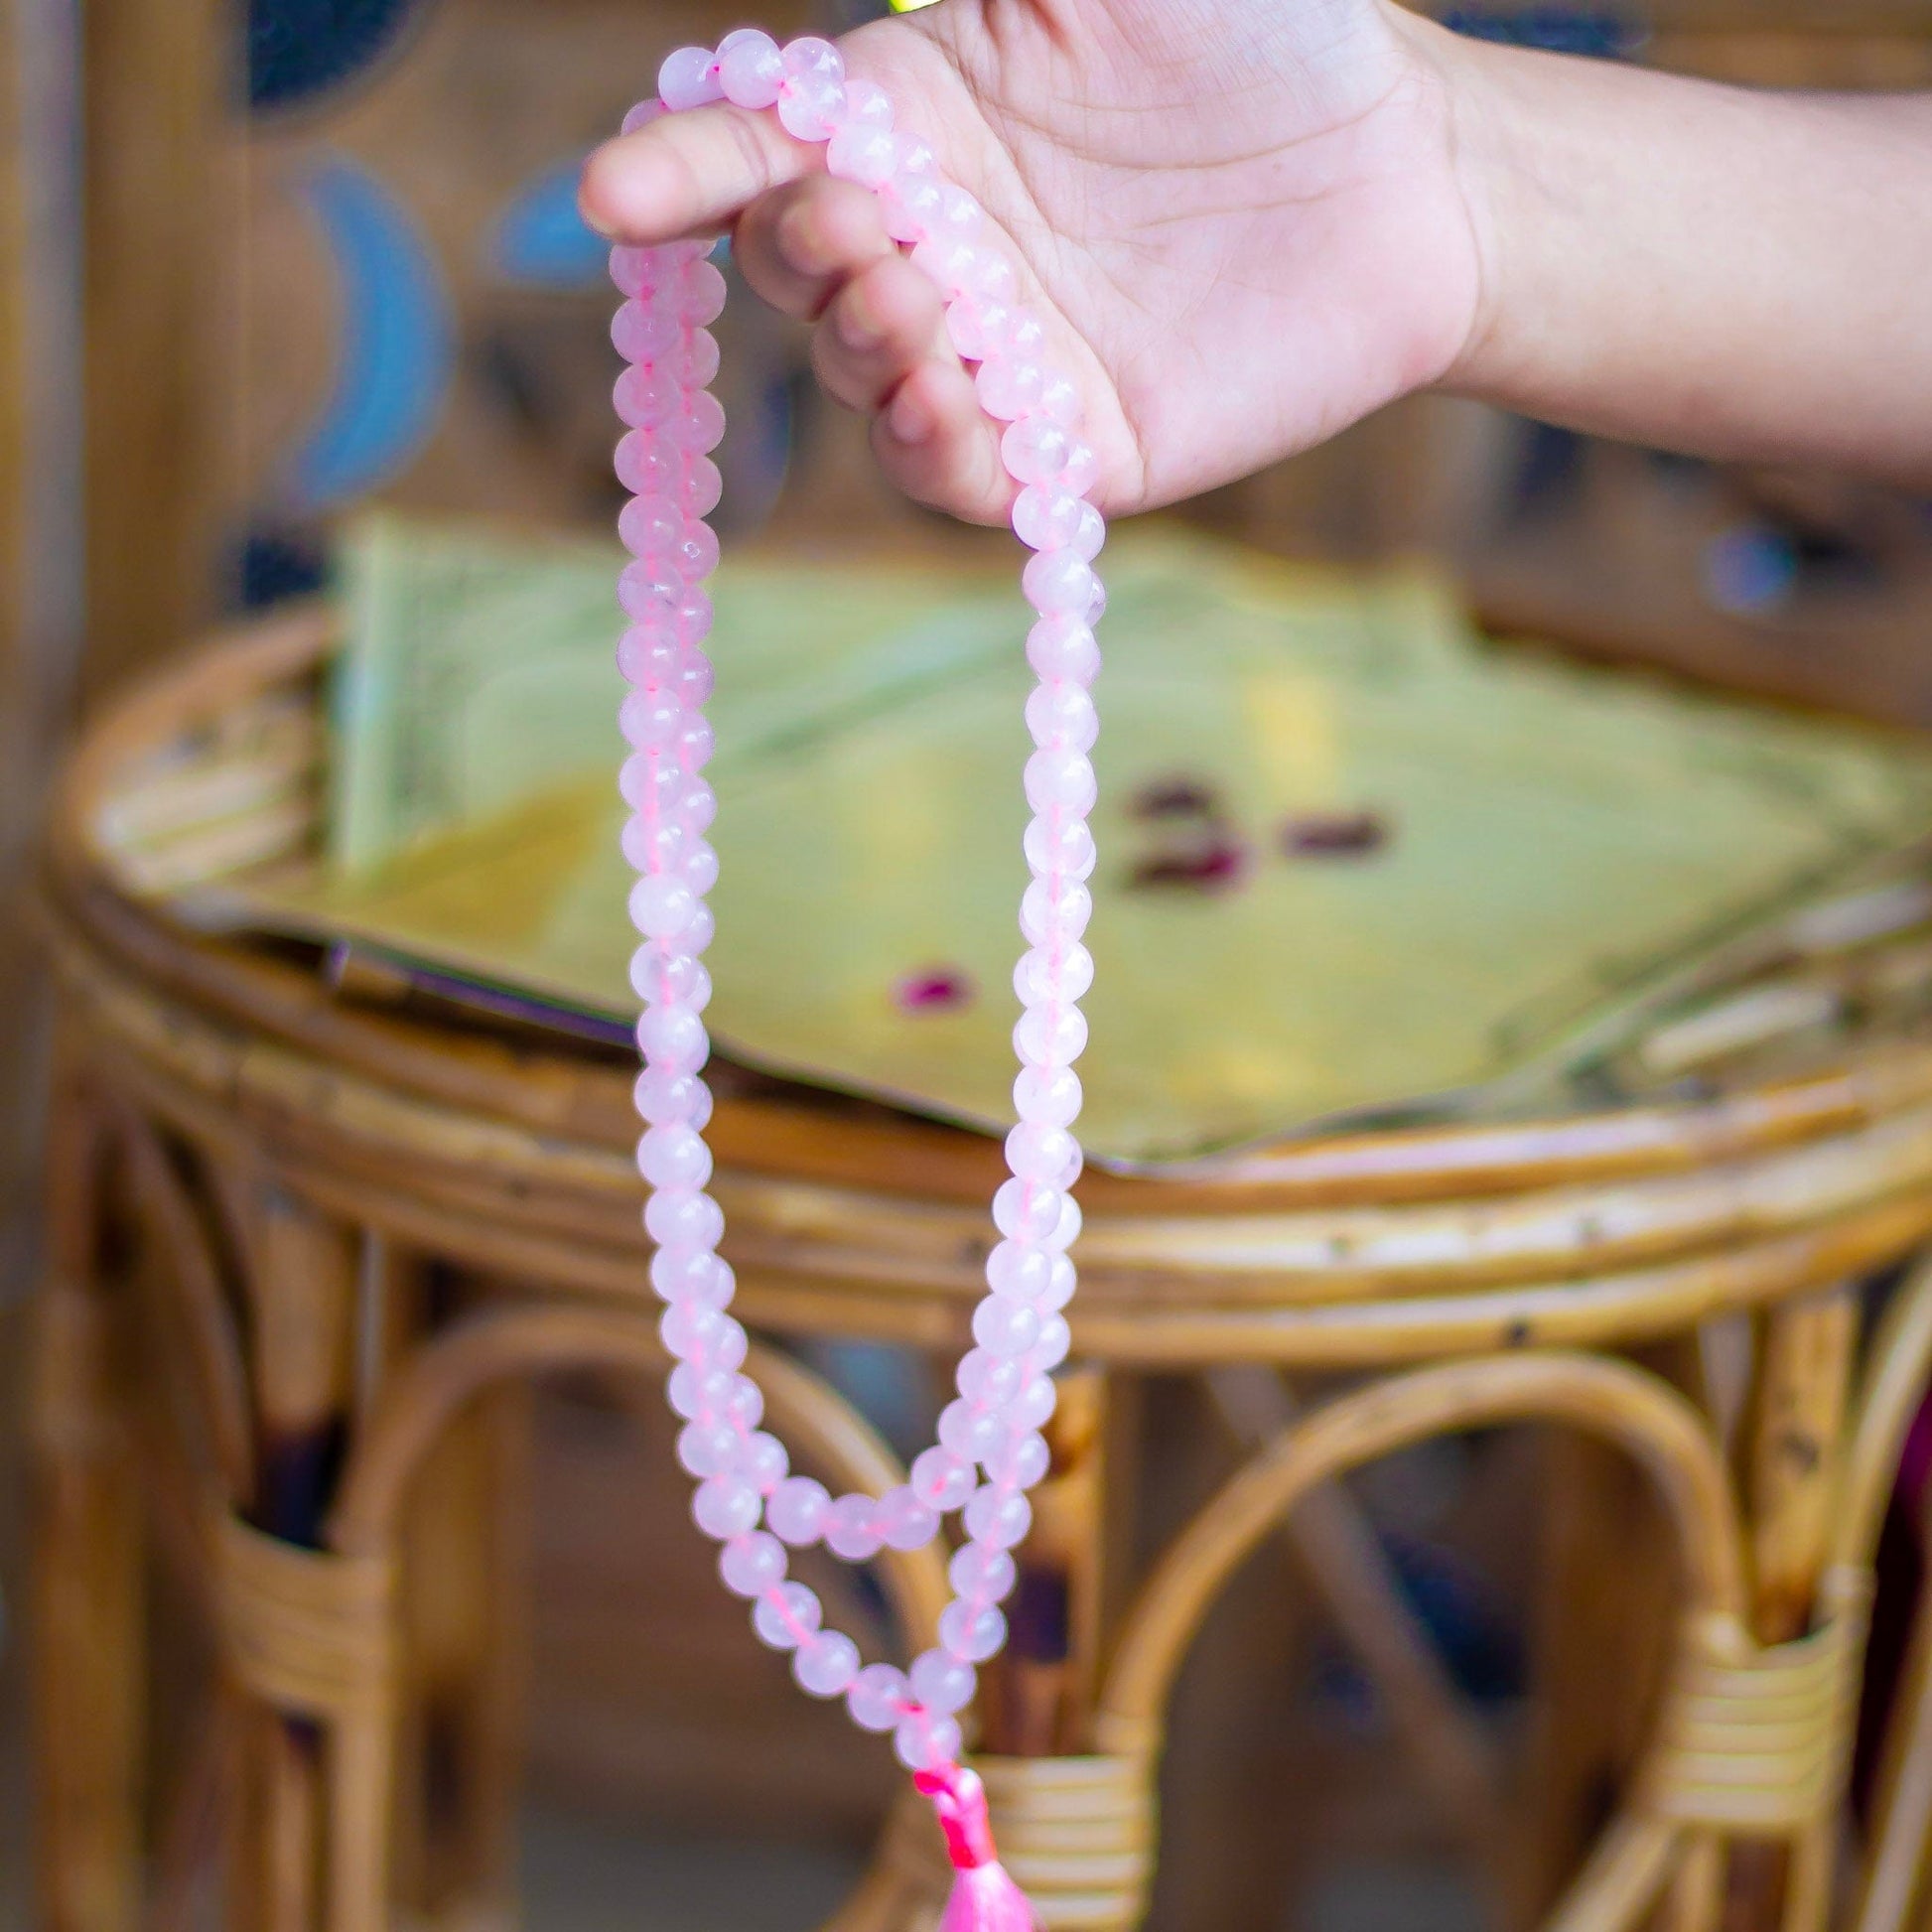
(1248,226)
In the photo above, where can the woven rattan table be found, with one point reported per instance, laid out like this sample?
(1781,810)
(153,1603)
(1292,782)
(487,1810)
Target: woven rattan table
(249,1170)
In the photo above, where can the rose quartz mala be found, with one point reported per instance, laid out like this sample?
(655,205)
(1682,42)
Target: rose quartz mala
(990,1451)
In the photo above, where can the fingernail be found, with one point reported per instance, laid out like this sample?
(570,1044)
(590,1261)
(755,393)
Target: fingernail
(908,420)
(858,327)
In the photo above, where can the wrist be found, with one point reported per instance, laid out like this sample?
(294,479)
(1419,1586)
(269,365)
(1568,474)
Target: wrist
(1482,115)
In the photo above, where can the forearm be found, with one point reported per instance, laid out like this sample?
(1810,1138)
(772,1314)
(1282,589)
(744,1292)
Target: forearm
(1741,275)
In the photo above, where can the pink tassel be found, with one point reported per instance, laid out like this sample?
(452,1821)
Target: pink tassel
(984,1895)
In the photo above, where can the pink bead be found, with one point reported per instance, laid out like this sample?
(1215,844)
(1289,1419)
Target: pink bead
(1051,1036)
(699,867)
(959,218)
(1082,471)
(913,158)
(1062,846)
(750,68)
(674,1157)
(941,1479)
(825,1664)
(1030,1409)
(651,527)
(973,326)
(1061,646)
(796,1510)
(1004,1327)
(683,1274)
(992,278)
(1009,385)
(986,1380)
(698,806)
(1019,1270)
(1054,910)
(1047,1154)
(1063,715)
(861,153)
(967,1430)
(751,1563)
(1060,781)
(1025,1209)
(1034,450)
(699,1393)
(641,332)
(673,1035)
(636,271)
(1060,399)
(1050,1096)
(904,1521)
(701,297)
(785,1614)
(923,1743)
(660,975)
(980,1573)
(762,1462)
(878,1696)
(645,397)
(1064,974)
(948,262)
(1023,336)
(643,115)
(1056,1340)
(699,427)
(725,1505)
(972,1635)
(1023,1461)
(693,620)
(1058,580)
(649,655)
(664,1096)
(1055,518)
(703,487)
(867,104)
(695,362)
(746,1409)
(811,105)
(675,1218)
(688,79)
(849,1529)
(661,908)
(706,1448)
(697,557)
(809,54)
(651,592)
(908,204)
(1000,1519)
(1061,1281)
(647,464)
(941,1683)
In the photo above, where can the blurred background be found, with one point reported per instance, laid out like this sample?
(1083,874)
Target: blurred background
(266,268)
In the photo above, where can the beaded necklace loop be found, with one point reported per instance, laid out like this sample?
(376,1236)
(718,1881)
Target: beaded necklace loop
(990,1451)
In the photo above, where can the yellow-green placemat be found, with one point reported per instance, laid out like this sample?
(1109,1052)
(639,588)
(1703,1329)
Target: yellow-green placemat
(1558,838)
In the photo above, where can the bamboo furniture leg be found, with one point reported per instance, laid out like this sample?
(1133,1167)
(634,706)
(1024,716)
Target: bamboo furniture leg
(1792,1444)
(87,1568)
(302,1282)
(465,1587)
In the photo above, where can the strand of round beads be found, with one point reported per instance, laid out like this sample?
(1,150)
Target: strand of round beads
(990,1451)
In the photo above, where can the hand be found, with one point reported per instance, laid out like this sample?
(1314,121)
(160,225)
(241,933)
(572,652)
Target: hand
(1241,224)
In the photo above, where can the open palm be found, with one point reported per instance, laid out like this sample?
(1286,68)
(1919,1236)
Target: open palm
(1242,226)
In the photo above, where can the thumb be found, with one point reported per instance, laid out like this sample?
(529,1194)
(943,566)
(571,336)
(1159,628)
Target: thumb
(689,174)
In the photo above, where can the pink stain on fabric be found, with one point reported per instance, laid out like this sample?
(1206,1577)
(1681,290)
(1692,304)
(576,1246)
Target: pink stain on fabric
(934,989)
